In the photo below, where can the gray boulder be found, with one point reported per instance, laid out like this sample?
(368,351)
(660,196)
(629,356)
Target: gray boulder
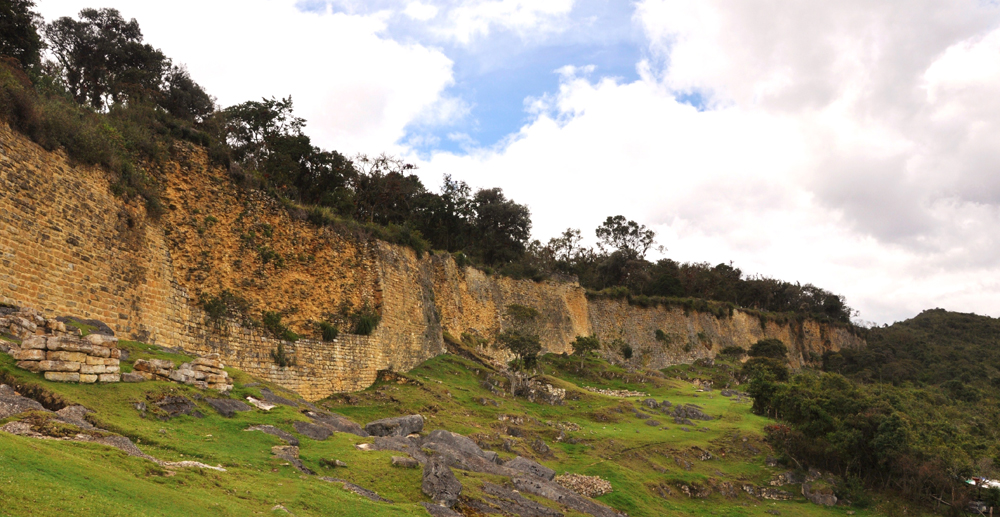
(563,496)
(440,511)
(396,426)
(11,403)
(227,407)
(314,431)
(439,483)
(337,423)
(531,467)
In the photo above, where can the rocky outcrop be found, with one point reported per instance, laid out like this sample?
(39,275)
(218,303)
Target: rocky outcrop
(396,426)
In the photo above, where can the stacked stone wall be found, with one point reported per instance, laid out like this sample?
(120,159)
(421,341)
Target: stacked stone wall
(68,246)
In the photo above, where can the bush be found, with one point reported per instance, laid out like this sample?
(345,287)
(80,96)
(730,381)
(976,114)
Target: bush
(733,351)
(661,336)
(584,345)
(225,305)
(765,368)
(329,331)
(771,348)
(281,358)
(523,345)
(272,322)
(364,320)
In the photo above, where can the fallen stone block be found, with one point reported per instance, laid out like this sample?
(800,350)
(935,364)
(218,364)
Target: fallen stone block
(109,377)
(70,357)
(62,376)
(59,366)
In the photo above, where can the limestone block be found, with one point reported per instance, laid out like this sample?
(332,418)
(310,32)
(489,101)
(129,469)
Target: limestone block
(59,366)
(100,360)
(163,373)
(109,377)
(62,376)
(101,340)
(34,343)
(161,364)
(183,376)
(217,379)
(66,344)
(134,377)
(198,376)
(212,363)
(112,369)
(88,378)
(202,385)
(28,365)
(75,357)
(100,351)
(27,354)
(212,356)
(93,369)
(116,353)
(207,369)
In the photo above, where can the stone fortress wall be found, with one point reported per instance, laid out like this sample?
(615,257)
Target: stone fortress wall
(68,246)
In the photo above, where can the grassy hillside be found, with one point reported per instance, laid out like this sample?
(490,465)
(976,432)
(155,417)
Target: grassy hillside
(650,467)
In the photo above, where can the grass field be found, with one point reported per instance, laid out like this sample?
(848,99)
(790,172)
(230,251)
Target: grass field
(648,466)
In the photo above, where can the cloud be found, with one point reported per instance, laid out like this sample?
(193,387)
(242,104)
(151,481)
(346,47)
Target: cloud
(357,88)
(848,145)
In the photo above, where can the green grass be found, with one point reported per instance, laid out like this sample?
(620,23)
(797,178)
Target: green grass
(45,477)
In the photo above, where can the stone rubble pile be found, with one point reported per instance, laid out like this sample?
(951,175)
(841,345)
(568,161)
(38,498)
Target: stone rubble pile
(590,486)
(47,347)
(616,393)
(204,372)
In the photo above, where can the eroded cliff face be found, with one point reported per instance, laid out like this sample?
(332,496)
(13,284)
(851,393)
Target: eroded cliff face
(69,247)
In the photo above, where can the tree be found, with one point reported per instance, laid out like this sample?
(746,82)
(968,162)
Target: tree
(770,348)
(184,98)
(103,58)
(584,345)
(501,226)
(629,237)
(523,345)
(19,37)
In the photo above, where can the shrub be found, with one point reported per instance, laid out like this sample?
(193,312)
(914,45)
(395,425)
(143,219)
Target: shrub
(771,348)
(584,345)
(329,331)
(733,351)
(225,305)
(281,358)
(364,320)
(272,322)
(521,313)
(626,351)
(661,336)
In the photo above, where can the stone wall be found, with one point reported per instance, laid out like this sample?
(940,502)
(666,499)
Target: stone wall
(70,247)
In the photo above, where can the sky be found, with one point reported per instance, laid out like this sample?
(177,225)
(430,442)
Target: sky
(854,145)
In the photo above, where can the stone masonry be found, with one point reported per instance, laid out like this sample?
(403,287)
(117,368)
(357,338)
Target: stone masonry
(69,247)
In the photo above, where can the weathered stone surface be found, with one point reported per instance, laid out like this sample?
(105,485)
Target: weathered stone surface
(109,377)
(93,368)
(174,406)
(563,496)
(65,344)
(133,377)
(269,396)
(34,343)
(405,462)
(101,340)
(28,354)
(88,378)
(76,415)
(11,403)
(29,365)
(314,431)
(357,489)
(513,503)
(62,376)
(101,351)
(531,467)
(819,493)
(396,426)
(74,357)
(211,363)
(337,423)
(458,442)
(227,407)
(58,366)
(440,484)
(290,453)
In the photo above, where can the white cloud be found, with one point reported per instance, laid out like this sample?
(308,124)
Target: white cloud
(525,17)
(846,144)
(357,88)
(420,11)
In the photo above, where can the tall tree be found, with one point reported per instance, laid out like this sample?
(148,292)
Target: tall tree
(19,37)
(629,237)
(104,59)
(502,227)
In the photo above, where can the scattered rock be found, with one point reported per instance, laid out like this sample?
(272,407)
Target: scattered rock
(652,422)
(539,446)
(11,403)
(563,496)
(405,462)
(531,467)
(439,483)
(590,486)
(396,426)
(290,453)
(175,406)
(314,431)
(337,423)
(513,503)
(270,397)
(332,464)
(75,415)
(227,407)
(819,493)
(651,403)
(259,404)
